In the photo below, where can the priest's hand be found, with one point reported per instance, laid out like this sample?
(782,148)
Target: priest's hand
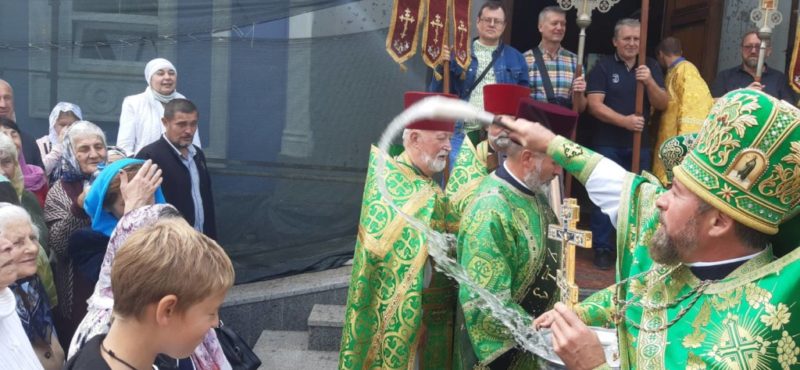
(756,85)
(529,134)
(573,341)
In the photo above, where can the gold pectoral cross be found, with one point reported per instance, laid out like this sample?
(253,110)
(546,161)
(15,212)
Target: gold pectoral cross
(437,25)
(569,236)
(406,18)
(462,30)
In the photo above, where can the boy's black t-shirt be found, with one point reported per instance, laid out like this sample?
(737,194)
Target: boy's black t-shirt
(89,357)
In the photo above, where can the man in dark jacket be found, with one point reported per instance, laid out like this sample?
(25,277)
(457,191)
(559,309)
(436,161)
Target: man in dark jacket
(187,184)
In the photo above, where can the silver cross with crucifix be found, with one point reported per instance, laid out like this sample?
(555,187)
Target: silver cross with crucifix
(569,236)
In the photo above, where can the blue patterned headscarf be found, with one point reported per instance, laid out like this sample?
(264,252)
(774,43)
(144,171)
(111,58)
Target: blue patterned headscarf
(33,309)
(102,220)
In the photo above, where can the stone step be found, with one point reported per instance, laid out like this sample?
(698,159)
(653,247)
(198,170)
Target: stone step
(289,350)
(325,327)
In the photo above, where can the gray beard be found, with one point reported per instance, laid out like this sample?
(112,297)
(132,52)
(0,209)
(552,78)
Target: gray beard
(751,62)
(501,143)
(668,250)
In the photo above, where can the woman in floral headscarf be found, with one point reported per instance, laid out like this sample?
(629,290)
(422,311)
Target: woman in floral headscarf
(84,151)
(140,119)
(62,116)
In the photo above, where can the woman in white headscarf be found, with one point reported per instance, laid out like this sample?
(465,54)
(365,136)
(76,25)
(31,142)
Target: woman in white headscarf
(62,116)
(140,120)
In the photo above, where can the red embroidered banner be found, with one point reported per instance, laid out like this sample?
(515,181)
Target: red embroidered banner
(461,44)
(794,67)
(435,32)
(401,42)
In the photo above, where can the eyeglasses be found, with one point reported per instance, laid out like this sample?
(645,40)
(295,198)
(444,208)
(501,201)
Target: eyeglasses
(492,21)
(751,47)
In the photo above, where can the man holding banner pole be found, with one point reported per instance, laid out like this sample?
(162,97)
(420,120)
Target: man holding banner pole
(491,62)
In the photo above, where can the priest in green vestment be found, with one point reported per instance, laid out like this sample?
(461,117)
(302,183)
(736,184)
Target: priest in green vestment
(503,245)
(698,285)
(400,311)
(478,157)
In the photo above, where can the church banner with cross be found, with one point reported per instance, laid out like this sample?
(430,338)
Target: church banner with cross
(794,67)
(401,42)
(434,33)
(461,21)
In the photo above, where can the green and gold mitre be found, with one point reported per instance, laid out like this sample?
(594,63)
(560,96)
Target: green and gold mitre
(746,161)
(673,150)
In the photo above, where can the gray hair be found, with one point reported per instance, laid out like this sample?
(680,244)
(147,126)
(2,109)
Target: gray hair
(11,212)
(551,9)
(7,147)
(83,129)
(626,22)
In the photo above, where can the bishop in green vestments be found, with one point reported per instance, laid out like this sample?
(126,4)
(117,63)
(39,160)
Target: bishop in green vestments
(400,311)
(698,285)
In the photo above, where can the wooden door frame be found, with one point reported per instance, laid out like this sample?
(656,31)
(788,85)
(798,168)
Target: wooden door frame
(696,14)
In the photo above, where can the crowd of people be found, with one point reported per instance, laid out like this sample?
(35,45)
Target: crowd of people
(107,254)
(703,247)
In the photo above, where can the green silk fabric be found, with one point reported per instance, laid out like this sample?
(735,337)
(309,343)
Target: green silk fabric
(384,320)
(503,245)
(749,320)
(468,171)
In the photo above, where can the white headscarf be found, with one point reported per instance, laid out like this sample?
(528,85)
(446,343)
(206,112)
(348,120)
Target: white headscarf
(57,110)
(150,69)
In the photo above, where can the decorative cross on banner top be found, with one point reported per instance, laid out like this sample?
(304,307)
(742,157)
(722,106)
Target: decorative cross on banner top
(766,15)
(569,236)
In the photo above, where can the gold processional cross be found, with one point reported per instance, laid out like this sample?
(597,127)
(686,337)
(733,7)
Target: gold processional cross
(406,18)
(569,236)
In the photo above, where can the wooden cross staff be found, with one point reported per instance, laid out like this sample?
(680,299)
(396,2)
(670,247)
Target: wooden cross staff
(584,10)
(569,236)
(637,136)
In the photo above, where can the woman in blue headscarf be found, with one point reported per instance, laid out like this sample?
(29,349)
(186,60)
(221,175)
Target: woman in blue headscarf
(105,206)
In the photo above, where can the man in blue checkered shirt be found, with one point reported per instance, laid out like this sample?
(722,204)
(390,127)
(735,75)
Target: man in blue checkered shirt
(559,63)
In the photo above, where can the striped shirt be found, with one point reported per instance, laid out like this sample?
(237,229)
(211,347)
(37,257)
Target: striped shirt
(561,69)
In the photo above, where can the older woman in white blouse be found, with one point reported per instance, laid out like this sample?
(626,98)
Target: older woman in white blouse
(16,351)
(140,119)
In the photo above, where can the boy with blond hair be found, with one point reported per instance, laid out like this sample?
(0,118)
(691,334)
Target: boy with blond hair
(168,282)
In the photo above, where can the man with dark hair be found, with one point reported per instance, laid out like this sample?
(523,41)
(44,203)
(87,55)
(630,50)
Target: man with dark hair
(551,68)
(187,184)
(611,93)
(773,82)
(492,62)
(689,99)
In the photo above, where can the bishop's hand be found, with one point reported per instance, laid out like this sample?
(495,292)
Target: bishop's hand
(531,135)
(574,342)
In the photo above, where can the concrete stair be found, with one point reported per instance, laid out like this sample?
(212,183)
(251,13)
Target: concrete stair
(289,350)
(325,327)
(316,348)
